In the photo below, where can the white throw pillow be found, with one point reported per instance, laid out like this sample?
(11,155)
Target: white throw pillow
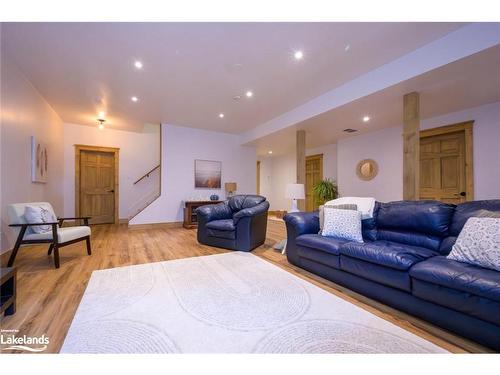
(343,224)
(339,206)
(39,214)
(479,243)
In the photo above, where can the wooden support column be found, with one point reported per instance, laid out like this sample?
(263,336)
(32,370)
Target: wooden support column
(301,164)
(411,146)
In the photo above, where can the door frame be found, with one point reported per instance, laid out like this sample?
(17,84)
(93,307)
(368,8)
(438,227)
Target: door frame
(466,128)
(311,157)
(258,177)
(116,153)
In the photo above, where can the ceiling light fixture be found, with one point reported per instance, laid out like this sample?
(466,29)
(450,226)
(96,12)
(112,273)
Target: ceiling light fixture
(138,64)
(101,123)
(366,118)
(270,152)
(134,98)
(249,94)
(298,55)
(347,47)
(221,115)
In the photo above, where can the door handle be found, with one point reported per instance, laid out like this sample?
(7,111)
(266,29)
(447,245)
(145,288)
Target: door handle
(110,191)
(462,194)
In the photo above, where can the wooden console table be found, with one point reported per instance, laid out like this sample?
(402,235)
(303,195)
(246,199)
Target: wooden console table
(190,219)
(7,291)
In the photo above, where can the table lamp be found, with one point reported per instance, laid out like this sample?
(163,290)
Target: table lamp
(230,188)
(294,192)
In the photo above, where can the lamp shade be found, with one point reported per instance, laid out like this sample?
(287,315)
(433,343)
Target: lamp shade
(230,187)
(295,191)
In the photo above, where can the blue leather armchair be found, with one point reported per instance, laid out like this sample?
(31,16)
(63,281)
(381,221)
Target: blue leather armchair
(239,223)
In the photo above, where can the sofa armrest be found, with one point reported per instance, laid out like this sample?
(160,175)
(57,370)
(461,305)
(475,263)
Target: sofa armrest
(302,222)
(212,212)
(297,224)
(261,208)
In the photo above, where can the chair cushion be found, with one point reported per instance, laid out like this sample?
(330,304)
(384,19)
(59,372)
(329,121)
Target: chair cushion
(222,225)
(65,234)
(240,202)
(460,276)
(318,242)
(386,253)
(222,229)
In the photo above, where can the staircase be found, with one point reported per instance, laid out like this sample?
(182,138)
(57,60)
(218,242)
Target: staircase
(149,187)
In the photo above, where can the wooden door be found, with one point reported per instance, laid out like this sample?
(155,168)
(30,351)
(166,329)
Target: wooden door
(97,186)
(442,167)
(314,174)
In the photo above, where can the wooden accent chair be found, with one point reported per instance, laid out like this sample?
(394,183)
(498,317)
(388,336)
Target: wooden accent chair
(57,237)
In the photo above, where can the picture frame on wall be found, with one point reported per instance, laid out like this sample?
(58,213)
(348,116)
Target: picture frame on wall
(207,174)
(39,161)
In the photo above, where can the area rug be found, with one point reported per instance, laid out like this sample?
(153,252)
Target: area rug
(227,303)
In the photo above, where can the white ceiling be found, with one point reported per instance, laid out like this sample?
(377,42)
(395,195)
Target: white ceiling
(466,83)
(192,71)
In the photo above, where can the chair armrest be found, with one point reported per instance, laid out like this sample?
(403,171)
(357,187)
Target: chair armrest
(213,212)
(74,218)
(302,222)
(32,224)
(84,218)
(251,211)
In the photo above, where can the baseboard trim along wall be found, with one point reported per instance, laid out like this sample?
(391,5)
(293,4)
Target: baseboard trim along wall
(173,224)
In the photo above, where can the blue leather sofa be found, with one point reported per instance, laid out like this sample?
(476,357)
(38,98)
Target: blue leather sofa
(402,263)
(239,223)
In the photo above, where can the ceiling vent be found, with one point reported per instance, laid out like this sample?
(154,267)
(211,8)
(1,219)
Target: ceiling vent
(349,130)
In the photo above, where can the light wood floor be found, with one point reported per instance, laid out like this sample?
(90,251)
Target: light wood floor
(48,298)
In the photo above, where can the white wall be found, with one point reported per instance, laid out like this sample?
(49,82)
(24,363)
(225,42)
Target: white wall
(386,147)
(278,171)
(139,153)
(181,146)
(25,113)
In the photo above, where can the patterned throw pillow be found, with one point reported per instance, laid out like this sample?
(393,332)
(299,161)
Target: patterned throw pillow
(339,206)
(479,243)
(39,214)
(343,224)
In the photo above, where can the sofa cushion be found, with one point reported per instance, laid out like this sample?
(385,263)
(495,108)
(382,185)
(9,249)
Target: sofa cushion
(466,303)
(316,241)
(460,276)
(222,225)
(415,223)
(463,211)
(386,253)
(374,272)
(318,256)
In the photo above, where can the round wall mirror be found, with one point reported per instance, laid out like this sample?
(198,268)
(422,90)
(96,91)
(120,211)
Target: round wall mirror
(367,169)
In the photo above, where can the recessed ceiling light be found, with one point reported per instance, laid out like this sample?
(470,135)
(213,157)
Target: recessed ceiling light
(134,98)
(366,118)
(298,55)
(347,47)
(138,64)
(249,94)
(221,115)
(269,152)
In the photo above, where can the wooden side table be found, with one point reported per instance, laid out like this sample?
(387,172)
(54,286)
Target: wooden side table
(7,291)
(190,219)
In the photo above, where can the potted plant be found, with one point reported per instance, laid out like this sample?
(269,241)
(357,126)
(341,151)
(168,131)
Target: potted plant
(326,190)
